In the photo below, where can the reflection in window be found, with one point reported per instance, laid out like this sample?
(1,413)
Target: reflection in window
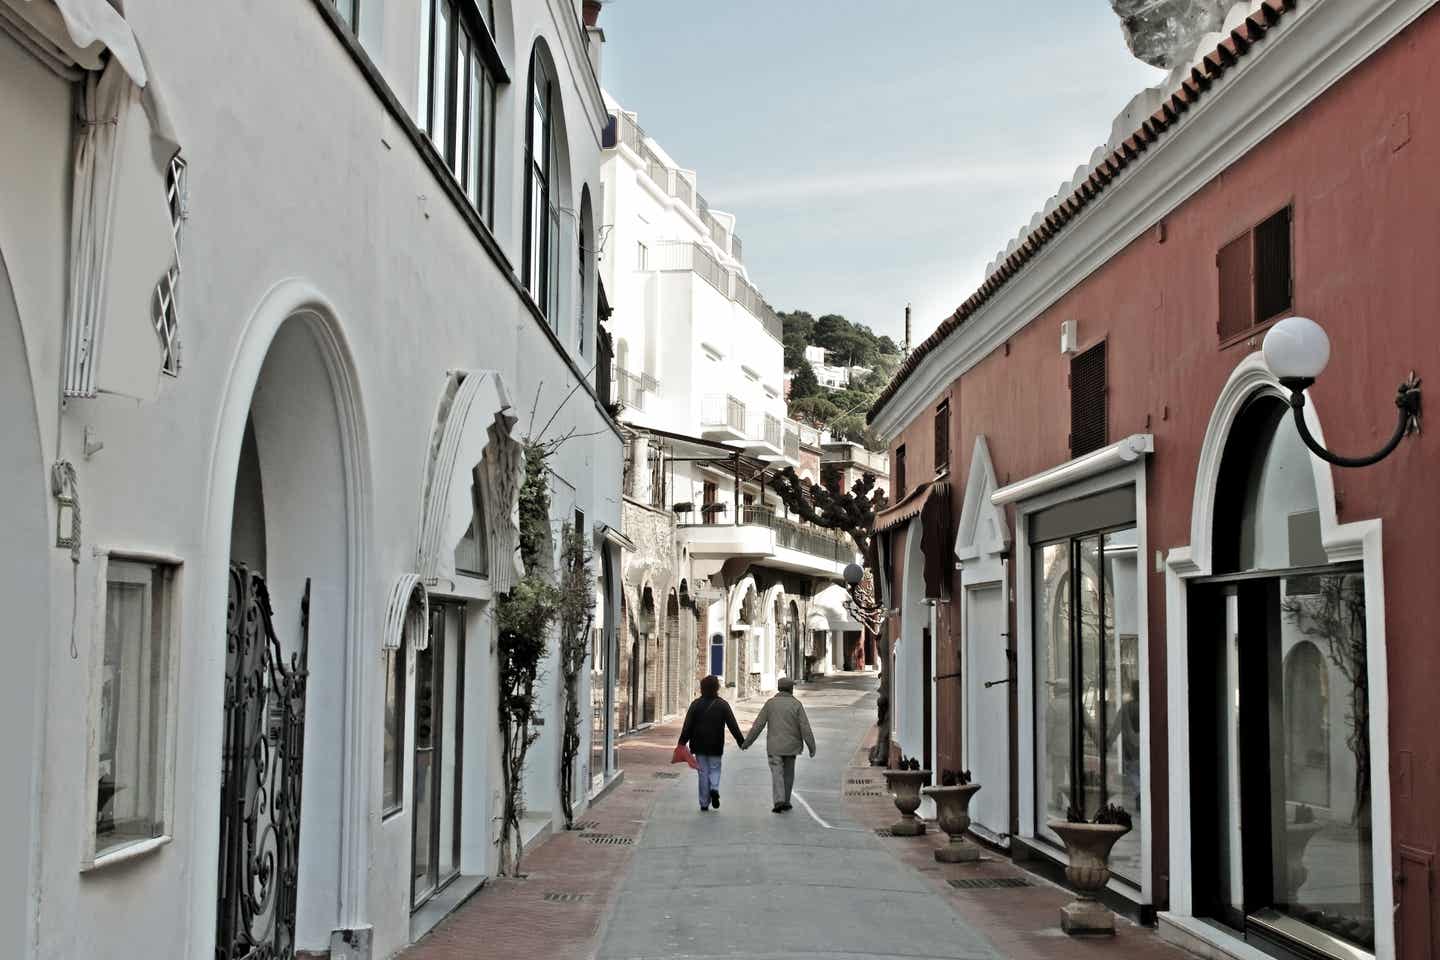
(1087,662)
(457,95)
(131,742)
(472,553)
(541,216)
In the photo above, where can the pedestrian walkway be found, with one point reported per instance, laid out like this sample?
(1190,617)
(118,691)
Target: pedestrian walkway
(747,883)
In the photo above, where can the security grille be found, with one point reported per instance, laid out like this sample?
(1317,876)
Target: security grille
(861,781)
(1087,401)
(609,839)
(582,825)
(863,793)
(884,832)
(565,897)
(989,883)
(666,776)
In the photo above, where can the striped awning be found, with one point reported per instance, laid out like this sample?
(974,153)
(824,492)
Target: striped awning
(908,508)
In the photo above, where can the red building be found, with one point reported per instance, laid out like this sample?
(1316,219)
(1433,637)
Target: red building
(1118,574)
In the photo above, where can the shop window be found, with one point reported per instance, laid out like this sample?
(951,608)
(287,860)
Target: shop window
(132,730)
(396,664)
(1256,274)
(1088,428)
(942,437)
(472,553)
(1087,663)
(1280,704)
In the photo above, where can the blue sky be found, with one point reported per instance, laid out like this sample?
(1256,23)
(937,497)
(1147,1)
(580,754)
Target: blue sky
(874,153)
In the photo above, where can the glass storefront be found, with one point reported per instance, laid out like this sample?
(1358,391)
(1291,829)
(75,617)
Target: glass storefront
(1087,663)
(1280,747)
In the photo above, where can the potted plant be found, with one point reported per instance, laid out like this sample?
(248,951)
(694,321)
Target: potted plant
(904,783)
(1298,834)
(592,12)
(1088,843)
(952,805)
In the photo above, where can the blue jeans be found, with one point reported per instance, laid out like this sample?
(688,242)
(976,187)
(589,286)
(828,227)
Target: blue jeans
(709,776)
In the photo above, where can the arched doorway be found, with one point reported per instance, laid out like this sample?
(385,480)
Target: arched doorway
(648,667)
(290,478)
(794,652)
(24,595)
(673,660)
(1276,631)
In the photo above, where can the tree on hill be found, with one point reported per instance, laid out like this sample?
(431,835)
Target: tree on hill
(797,328)
(816,411)
(803,383)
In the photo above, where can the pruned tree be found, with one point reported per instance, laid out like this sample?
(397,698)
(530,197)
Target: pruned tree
(850,512)
(576,617)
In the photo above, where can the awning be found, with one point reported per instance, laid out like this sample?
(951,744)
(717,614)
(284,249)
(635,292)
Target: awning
(472,431)
(608,534)
(817,621)
(75,33)
(910,506)
(935,541)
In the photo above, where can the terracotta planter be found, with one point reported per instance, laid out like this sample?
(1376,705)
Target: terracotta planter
(592,12)
(1088,845)
(1297,838)
(905,786)
(952,806)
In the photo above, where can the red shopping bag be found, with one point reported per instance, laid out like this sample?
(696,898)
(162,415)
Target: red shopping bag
(683,755)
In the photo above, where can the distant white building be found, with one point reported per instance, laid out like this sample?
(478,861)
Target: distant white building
(830,376)
(721,581)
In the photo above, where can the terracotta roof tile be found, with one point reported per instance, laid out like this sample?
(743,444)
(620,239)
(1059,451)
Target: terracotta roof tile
(1212,66)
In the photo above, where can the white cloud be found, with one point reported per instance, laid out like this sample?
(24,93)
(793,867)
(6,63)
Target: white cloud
(978,174)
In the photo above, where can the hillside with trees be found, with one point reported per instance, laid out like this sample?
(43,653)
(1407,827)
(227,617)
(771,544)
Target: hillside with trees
(849,344)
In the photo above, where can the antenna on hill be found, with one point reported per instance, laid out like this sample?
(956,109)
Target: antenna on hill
(907,329)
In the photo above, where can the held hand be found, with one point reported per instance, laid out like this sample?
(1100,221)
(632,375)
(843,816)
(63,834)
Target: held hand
(812,754)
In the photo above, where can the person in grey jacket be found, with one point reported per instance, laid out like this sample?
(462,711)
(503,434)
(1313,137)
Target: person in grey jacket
(789,730)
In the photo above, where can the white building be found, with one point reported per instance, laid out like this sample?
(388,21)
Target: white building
(699,380)
(832,377)
(290,296)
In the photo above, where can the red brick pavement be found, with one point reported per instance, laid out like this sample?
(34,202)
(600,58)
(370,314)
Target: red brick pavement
(511,918)
(1022,922)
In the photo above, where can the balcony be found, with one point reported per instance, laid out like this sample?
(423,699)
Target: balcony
(763,536)
(766,437)
(632,389)
(722,418)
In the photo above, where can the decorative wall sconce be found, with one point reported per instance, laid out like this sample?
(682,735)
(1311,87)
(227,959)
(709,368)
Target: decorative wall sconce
(1297,350)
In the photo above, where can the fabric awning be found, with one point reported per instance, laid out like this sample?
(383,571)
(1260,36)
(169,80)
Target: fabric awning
(935,538)
(472,440)
(908,507)
(76,33)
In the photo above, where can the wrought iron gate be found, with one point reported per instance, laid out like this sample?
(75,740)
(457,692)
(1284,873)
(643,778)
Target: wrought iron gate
(262,755)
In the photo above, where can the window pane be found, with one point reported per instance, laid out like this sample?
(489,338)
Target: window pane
(440,87)
(1052,684)
(1092,706)
(475,135)
(134,680)
(552,268)
(462,56)
(422,112)
(487,160)
(1320,802)
(1121,639)
(395,664)
(347,10)
(471,554)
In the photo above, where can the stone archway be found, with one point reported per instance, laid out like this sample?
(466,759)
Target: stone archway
(290,498)
(24,595)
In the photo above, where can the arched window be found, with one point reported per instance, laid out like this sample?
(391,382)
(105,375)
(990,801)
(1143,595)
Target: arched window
(459,68)
(542,220)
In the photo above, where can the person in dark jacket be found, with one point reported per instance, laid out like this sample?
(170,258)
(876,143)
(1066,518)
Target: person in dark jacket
(704,731)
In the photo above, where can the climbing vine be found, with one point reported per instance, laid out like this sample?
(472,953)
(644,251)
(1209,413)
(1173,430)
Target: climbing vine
(576,615)
(525,617)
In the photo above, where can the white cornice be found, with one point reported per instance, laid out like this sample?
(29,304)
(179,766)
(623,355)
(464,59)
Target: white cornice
(1104,460)
(1298,60)
(587,85)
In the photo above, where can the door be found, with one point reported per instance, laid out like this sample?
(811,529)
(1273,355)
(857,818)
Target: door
(439,706)
(987,708)
(717,654)
(927,697)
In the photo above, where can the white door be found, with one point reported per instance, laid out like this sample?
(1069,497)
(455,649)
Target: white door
(987,709)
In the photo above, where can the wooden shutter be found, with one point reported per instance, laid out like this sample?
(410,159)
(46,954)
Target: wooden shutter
(1088,430)
(942,436)
(899,478)
(1237,303)
(1272,266)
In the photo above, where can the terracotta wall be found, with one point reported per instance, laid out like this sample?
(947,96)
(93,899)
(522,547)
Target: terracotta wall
(1360,168)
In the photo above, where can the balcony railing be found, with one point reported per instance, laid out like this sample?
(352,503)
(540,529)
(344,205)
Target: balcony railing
(683,190)
(792,442)
(735,248)
(630,133)
(631,387)
(789,534)
(723,411)
(695,258)
(769,431)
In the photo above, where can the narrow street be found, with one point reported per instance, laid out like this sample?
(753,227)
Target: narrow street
(744,882)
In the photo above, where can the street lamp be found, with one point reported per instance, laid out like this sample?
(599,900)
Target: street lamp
(1297,350)
(853,574)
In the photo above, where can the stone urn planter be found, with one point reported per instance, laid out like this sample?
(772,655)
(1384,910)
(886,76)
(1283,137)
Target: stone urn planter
(1088,845)
(952,808)
(591,12)
(905,786)
(1297,838)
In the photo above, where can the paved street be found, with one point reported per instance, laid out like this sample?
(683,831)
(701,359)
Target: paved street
(745,882)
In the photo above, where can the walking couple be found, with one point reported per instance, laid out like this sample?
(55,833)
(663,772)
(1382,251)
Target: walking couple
(704,732)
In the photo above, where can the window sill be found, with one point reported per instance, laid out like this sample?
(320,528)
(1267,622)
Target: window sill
(388,815)
(131,851)
(1250,333)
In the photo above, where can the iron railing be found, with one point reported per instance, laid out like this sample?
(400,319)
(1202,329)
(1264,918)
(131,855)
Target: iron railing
(735,248)
(630,133)
(682,189)
(631,388)
(769,431)
(723,411)
(791,535)
(792,443)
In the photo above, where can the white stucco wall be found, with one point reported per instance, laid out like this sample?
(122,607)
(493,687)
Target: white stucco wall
(299,179)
